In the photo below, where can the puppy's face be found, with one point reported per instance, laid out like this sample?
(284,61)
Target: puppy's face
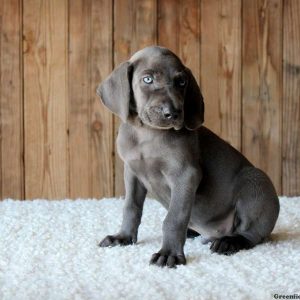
(157,88)
(159,85)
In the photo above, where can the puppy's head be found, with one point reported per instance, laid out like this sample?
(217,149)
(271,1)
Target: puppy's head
(157,88)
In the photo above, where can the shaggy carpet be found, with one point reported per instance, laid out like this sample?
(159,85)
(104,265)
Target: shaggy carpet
(49,250)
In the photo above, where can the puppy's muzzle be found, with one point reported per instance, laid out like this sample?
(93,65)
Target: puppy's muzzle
(164,116)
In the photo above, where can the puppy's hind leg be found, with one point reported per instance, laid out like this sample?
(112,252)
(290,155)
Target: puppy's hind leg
(257,209)
(228,245)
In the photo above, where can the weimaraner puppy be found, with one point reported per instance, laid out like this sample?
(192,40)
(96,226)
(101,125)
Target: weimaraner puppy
(207,186)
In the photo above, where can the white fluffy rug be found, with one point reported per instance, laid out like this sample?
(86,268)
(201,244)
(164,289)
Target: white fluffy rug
(48,250)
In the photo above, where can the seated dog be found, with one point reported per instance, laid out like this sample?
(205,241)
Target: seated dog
(205,184)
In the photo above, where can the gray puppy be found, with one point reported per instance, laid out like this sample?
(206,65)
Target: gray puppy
(207,186)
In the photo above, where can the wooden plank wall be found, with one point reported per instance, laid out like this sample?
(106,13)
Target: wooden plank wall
(45,98)
(262,85)
(56,139)
(291,98)
(11,101)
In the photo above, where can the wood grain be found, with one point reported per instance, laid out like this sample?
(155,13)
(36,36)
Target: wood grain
(79,101)
(169,12)
(262,85)
(221,67)
(179,30)
(189,44)
(291,102)
(11,108)
(144,31)
(45,99)
(209,64)
(102,142)
(135,28)
(230,72)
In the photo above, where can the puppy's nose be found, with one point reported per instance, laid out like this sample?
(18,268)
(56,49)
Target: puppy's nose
(171,114)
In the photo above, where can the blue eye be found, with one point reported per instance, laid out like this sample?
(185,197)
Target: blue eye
(148,79)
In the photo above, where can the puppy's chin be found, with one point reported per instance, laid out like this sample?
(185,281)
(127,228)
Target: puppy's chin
(163,127)
(159,127)
(145,119)
(178,127)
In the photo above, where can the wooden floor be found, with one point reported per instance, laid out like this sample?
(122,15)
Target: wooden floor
(57,140)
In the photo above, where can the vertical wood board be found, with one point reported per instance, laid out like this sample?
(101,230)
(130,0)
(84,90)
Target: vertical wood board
(291,99)
(79,98)
(102,142)
(45,95)
(262,85)
(11,108)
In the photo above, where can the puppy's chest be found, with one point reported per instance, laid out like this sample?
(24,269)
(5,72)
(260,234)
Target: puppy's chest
(145,157)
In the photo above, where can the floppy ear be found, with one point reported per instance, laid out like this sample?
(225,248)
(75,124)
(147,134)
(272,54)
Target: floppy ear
(115,91)
(193,104)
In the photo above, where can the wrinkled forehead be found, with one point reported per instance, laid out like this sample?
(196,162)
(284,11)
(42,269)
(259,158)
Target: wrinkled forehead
(156,60)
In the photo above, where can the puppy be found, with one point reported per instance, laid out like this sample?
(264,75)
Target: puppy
(205,184)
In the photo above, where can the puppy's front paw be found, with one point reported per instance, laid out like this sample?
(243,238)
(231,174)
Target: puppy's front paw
(114,240)
(167,258)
